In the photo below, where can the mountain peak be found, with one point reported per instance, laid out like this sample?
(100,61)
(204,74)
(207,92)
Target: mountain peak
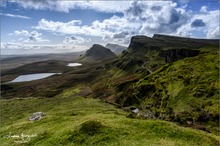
(97,45)
(98,52)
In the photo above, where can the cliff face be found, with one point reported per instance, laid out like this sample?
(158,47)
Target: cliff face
(138,42)
(98,52)
(177,54)
(171,48)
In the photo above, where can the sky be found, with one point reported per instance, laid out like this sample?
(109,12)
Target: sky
(60,26)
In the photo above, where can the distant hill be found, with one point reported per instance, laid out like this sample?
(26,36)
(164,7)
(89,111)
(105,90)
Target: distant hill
(13,61)
(98,52)
(117,49)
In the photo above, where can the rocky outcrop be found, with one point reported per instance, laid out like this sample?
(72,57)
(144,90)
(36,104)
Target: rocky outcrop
(171,48)
(139,42)
(98,52)
(177,54)
(36,116)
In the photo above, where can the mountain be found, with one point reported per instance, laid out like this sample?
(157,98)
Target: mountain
(98,52)
(117,49)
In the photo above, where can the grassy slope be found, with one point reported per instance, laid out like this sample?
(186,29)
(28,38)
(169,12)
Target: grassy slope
(123,71)
(181,91)
(74,120)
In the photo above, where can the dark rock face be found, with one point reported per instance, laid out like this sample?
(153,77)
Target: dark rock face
(98,52)
(172,48)
(138,42)
(177,54)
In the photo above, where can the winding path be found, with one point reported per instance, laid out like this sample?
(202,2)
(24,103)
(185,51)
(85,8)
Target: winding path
(143,66)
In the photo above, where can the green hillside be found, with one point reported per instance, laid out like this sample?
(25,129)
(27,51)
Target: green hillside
(74,120)
(185,91)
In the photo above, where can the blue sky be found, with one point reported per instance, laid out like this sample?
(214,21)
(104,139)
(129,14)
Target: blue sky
(30,26)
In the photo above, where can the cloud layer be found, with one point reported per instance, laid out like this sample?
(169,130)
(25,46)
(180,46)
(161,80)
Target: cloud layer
(139,17)
(22,48)
(15,16)
(75,40)
(29,37)
(66,6)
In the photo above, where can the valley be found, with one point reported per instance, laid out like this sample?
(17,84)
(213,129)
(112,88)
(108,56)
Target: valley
(173,79)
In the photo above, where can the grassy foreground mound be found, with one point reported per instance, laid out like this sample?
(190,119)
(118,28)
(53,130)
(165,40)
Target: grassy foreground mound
(77,121)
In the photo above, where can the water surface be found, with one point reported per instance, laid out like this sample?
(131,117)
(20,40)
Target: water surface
(31,77)
(74,64)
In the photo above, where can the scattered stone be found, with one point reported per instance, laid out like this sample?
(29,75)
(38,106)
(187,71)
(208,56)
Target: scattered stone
(36,116)
(146,114)
(189,122)
(135,111)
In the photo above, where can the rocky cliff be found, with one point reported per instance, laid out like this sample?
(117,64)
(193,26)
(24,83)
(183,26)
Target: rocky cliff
(177,54)
(171,48)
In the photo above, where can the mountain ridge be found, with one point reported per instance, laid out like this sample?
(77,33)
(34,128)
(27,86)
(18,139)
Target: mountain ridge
(171,41)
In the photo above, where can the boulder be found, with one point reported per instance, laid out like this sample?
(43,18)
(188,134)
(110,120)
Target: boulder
(36,116)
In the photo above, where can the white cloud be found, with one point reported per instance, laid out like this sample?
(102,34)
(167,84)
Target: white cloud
(211,19)
(10,45)
(15,16)
(208,25)
(21,33)
(71,27)
(203,9)
(213,33)
(32,36)
(21,48)
(75,40)
(66,6)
